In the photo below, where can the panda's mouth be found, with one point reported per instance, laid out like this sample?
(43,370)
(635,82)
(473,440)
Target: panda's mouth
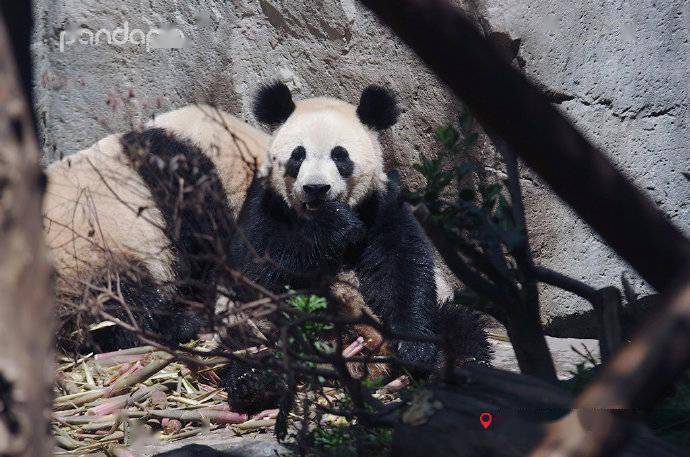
(313,205)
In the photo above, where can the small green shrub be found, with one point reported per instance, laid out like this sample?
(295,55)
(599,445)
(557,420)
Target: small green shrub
(351,441)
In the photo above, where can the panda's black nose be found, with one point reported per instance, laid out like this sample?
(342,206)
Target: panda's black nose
(316,190)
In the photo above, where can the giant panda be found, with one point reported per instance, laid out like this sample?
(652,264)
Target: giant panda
(323,206)
(137,220)
(152,223)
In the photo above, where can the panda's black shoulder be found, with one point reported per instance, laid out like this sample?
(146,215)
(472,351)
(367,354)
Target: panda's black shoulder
(187,190)
(384,206)
(263,201)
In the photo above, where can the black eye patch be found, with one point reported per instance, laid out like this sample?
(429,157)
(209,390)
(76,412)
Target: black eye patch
(296,158)
(342,161)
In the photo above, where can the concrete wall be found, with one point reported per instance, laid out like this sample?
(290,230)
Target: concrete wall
(623,71)
(622,67)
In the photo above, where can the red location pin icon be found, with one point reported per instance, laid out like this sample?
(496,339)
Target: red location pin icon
(485,419)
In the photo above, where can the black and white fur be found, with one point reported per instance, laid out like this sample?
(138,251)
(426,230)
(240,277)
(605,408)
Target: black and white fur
(324,205)
(159,210)
(150,215)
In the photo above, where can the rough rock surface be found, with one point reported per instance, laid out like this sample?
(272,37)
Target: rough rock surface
(567,354)
(622,68)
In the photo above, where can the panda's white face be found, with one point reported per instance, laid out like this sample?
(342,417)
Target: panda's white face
(323,152)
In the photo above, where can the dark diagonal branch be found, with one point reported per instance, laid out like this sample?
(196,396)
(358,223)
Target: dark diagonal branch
(566,283)
(511,106)
(508,104)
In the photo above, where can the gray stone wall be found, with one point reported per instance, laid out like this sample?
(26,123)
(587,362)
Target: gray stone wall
(622,67)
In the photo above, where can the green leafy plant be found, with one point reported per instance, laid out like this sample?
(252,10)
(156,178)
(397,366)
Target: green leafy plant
(478,198)
(311,304)
(474,216)
(307,337)
(353,440)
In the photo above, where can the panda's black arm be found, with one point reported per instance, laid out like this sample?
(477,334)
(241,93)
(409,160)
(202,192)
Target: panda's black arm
(274,249)
(397,280)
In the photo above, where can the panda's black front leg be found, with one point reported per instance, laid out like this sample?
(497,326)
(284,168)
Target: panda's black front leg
(278,247)
(396,273)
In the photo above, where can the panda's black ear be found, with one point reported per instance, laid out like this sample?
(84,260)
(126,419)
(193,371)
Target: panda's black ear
(273,104)
(378,108)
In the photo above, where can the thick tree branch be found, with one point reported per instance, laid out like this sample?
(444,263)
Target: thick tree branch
(521,317)
(26,295)
(566,283)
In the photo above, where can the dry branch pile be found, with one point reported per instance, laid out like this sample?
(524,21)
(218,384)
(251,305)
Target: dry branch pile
(124,397)
(137,396)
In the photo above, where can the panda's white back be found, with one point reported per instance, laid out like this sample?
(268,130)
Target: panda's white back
(92,216)
(236,148)
(98,210)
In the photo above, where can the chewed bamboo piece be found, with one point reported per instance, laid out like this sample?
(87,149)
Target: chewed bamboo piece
(118,386)
(104,400)
(99,395)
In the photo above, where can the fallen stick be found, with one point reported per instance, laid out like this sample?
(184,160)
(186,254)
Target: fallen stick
(65,441)
(125,352)
(78,420)
(108,406)
(115,404)
(396,385)
(181,435)
(125,369)
(66,384)
(95,425)
(200,415)
(251,425)
(117,360)
(266,414)
(75,362)
(113,437)
(354,348)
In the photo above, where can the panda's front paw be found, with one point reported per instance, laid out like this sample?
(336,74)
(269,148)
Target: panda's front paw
(250,389)
(354,229)
(344,221)
(417,353)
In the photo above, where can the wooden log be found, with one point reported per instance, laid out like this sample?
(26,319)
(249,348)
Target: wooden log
(26,295)
(635,379)
(443,420)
